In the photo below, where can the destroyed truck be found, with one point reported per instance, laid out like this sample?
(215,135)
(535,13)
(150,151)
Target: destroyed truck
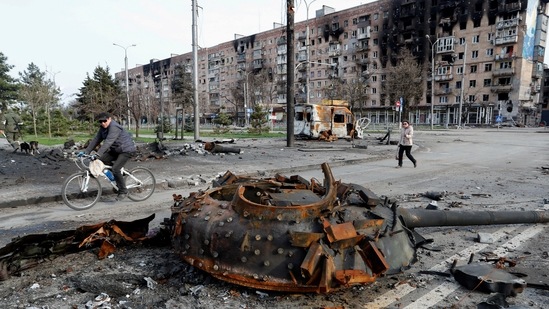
(331,118)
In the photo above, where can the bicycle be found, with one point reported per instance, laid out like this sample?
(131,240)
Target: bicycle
(82,190)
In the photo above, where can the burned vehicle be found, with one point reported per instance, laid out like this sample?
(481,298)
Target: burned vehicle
(294,235)
(332,119)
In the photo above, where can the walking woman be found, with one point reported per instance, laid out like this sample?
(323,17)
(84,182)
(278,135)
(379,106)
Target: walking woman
(406,143)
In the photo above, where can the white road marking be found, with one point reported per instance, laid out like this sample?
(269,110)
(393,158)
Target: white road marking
(442,291)
(403,290)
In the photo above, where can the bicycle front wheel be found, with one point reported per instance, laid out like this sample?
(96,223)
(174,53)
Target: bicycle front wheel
(81,191)
(140,183)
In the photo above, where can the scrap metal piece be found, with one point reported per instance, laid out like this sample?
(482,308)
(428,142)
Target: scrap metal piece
(31,250)
(488,278)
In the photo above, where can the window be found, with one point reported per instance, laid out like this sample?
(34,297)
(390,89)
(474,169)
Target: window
(376,41)
(374,78)
(473,68)
(485,97)
(472,98)
(443,99)
(476,39)
(487,82)
(353,34)
(374,54)
(458,85)
(461,41)
(383,77)
(376,16)
(345,35)
(459,70)
(472,83)
(376,28)
(487,67)
(374,103)
(345,23)
(374,90)
(490,52)
(474,54)
(355,21)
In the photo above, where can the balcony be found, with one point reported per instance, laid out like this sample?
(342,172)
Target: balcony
(445,45)
(258,64)
(334,53)
(241,57)
(502,88)
(508,23)
(443,78)
(511,39)
(443,91)
(504,72)
(505,57)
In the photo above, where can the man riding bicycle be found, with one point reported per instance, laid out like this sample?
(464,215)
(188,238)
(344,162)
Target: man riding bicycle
(118,147)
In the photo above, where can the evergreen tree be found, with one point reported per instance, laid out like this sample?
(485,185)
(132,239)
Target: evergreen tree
(101,93)
(8,84)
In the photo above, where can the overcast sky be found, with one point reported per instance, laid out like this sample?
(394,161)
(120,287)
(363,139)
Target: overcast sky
(70,38)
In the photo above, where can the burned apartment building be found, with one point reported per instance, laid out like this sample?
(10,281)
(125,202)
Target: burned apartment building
(482,58)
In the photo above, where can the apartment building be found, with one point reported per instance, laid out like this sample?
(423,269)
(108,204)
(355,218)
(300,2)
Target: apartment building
(483,60)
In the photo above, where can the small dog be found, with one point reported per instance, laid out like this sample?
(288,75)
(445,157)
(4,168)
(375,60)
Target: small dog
(34,147)
(30,147)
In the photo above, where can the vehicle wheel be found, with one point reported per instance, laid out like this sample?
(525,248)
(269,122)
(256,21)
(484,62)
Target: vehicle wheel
(77,194)
(141,186)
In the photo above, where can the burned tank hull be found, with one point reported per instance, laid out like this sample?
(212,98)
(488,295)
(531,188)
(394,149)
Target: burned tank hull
(293,235)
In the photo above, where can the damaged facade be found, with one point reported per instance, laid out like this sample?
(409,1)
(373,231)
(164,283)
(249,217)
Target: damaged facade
(488,52)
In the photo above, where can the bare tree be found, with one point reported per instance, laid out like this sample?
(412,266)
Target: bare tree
(405,79)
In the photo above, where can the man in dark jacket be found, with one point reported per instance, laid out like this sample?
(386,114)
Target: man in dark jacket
(118,147)
(10,127)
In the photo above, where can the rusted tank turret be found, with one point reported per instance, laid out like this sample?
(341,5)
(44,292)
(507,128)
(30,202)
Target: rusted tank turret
(290,234)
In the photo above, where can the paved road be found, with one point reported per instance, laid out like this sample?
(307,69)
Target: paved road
(497,169)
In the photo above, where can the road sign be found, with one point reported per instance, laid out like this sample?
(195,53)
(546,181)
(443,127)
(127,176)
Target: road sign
(499,118)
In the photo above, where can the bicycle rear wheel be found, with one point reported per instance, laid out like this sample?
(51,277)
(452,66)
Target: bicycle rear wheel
(140,183)
(81,191)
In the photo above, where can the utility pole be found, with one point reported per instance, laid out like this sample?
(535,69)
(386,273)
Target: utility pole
(433,46)
(195,72)
(290,108)
(307,51)
(462,86)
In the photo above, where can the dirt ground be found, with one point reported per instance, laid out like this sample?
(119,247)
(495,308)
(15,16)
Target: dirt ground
(147,276)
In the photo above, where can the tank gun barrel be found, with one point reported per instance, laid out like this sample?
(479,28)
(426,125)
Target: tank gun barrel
(413,218)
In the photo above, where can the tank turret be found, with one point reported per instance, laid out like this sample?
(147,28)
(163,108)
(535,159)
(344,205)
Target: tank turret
(294,235)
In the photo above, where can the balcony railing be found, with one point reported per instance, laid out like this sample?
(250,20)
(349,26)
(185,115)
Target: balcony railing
(504,72)
(501,88)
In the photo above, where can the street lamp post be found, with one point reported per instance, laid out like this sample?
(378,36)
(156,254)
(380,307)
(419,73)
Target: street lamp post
(48,105)
(246,121)
(127,80)
(432,77)
(307,51)
(462,87)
